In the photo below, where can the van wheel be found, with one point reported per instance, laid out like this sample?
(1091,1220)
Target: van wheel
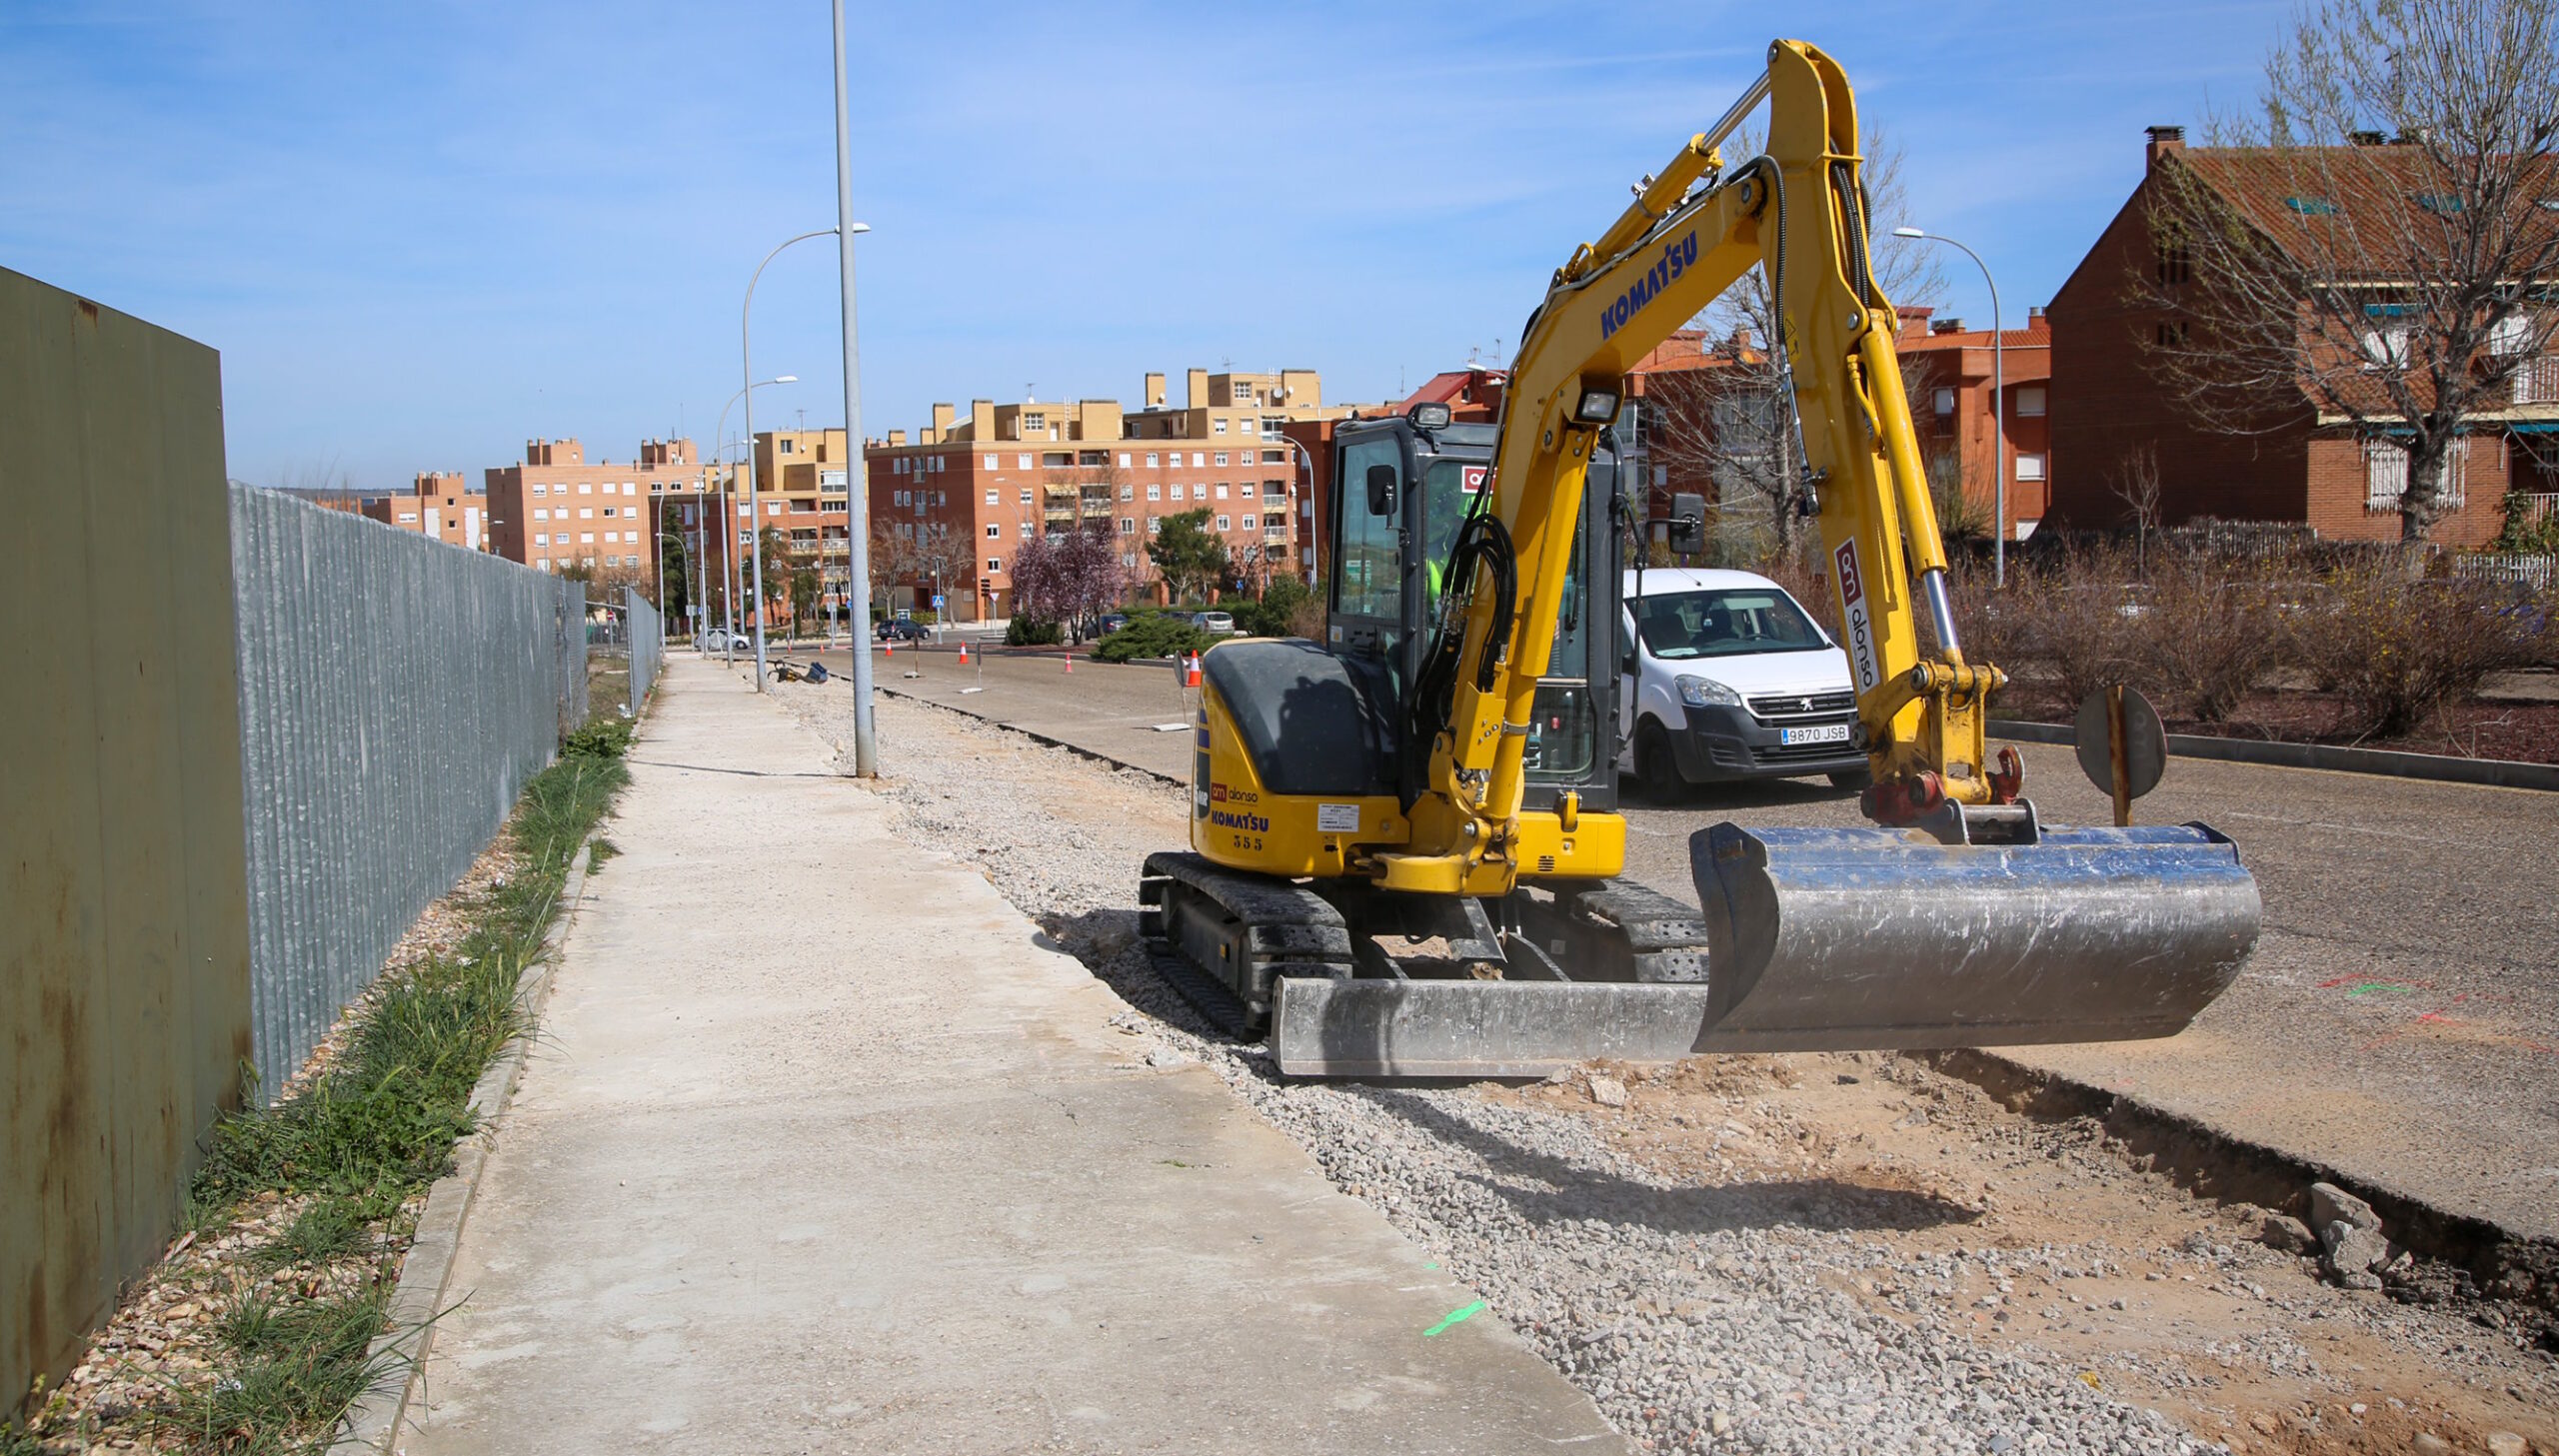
(1656,769)
(1852,779)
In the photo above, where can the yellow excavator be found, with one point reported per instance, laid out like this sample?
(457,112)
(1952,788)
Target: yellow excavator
(1405,854)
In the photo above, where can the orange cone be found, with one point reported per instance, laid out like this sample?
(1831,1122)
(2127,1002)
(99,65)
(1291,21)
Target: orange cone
(964,655)
(1071,665)
(891,646)
(1191,669)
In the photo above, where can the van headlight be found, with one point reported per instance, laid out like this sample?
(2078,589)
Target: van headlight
(1706,693)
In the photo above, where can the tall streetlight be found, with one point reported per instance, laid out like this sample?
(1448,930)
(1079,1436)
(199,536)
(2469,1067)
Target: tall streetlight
(746,371)
(857,490)
(728,557)
(1998,413)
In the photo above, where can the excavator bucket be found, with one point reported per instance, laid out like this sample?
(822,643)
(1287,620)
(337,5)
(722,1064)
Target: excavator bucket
(1883,939)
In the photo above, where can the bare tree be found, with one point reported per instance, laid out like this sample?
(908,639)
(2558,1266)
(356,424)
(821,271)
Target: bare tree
(2370,247)
(2135,482)
(895,561)
(945,556)
(1733,422)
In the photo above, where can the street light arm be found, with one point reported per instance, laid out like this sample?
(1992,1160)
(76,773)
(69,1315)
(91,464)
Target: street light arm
(746,377)
(1998,408)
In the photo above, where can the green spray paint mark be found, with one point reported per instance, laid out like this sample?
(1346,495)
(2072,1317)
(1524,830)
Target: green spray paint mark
(1455,1316)
(2380,986)
(1430,1266)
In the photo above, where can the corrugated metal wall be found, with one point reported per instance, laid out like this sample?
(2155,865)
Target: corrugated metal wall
(124,939)
(648,637)
(395,694)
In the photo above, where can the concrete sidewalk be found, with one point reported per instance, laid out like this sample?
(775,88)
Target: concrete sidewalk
(823,1149)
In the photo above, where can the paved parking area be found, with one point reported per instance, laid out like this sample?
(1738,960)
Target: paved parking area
(2399,1023)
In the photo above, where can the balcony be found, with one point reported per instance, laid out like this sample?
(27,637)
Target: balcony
(2537,382)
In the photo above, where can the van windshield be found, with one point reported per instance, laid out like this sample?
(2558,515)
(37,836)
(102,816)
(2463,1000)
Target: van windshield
(1724,624)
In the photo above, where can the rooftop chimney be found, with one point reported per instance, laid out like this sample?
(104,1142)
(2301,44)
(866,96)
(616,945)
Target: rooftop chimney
(1946,325)
(2365,138)
(2163,140)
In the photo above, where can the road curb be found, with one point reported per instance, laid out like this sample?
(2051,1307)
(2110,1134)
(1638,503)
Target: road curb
(2444,767)
(371,1425)
(1037,737)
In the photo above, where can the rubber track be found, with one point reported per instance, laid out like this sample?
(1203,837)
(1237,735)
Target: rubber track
(1289,932)
(1666,940)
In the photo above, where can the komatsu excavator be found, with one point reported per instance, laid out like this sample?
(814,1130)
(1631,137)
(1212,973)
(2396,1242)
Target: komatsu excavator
(1404,839)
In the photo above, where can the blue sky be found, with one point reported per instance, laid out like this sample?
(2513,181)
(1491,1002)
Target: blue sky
(420,233)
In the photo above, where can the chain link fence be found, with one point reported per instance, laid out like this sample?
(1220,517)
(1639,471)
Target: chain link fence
(646,633)
(395,694)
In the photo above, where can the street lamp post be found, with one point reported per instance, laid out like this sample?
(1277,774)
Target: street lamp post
(1998,413)
(865,747)
(728,557)
(755,510)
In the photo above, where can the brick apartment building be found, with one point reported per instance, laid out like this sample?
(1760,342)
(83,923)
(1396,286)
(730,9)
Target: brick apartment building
(439,504)
(556,508)
(1011,473)
(1952,409)
(2309,470)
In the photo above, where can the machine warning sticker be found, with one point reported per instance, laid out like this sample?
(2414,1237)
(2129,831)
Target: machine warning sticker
(1337,819)
(1471,478)
(1862,631)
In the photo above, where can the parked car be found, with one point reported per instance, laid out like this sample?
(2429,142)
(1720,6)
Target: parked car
(1112,622)
(717,640)
(1217,623)
(894,630)
(1722,676)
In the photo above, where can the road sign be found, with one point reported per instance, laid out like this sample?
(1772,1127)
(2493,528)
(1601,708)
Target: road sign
(2123,747)
(693,608)
(937,602)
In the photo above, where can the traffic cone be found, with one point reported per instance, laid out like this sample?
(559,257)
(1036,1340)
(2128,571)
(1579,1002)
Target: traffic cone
(1071,665)
(1191,669)
(963,654)
(891,646)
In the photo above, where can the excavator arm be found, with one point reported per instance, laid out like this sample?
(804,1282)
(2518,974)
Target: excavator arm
(1694,229)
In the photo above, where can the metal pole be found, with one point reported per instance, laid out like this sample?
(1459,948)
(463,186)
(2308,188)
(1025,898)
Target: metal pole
(746,379)
(1998,412)
(866,748)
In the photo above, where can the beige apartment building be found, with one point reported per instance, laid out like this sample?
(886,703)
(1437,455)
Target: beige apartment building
(1011,473)
(558,508)
(439,504)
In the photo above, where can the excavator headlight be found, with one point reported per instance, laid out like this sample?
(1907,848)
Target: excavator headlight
(1597,407)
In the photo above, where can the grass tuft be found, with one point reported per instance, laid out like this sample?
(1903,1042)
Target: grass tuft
(296,1361)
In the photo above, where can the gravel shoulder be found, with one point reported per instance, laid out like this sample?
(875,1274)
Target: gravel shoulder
(1803,1253)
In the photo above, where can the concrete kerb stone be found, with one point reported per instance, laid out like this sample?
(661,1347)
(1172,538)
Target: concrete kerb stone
(370,1426)
(2493,773)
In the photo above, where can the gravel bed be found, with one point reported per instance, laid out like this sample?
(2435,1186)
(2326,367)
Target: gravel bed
(1757,1308)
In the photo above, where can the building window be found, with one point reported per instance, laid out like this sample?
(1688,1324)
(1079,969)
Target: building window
(896,466)
(1025,494)
(586,537)
(1249,524)
(2030,399)
(540,513)
(1124,460)
(2175,262)
(543,565)
(1221,491)
(995,563)
(542,537)
(1150,462)
(1154,526)
(631,488)
(991,497)
(586,512)
(1155,493)
(1198,459)
(540,488)
(1127,526)
(1026,530)
(1218,427)
(1273,457)
(1223,524)
(2029,467)
(1128,493)
(1176,491)
(1022,462)
(994,463)
(994,530)
(585,488)
(1946,402)
(1221,458)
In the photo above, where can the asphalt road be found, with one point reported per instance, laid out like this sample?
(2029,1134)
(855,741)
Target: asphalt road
(2399,1021)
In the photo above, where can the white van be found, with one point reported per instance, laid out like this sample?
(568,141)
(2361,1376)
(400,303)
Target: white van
(1722,676)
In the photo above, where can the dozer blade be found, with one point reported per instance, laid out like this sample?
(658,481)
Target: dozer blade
(1477,1028)
(1889,939)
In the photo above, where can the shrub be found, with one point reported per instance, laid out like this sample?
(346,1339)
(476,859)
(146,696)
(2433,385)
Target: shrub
(2084,623)
(2209,635)
(1025,632)
(1157,635)
(1276,613)
(2398,650)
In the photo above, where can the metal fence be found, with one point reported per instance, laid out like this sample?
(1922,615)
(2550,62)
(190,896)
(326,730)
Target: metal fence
(395,694)
(2537,571)
(646,632)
